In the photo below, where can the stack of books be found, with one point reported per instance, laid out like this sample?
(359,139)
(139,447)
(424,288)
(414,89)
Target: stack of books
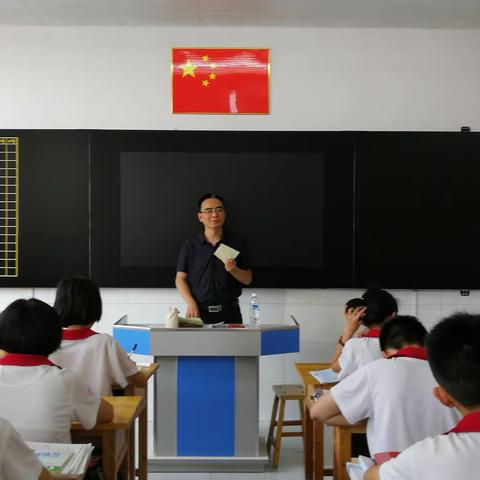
(63,459)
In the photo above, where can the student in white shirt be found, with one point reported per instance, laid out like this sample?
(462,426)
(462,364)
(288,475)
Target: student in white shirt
(393,394)
(356,348)
(454,354)
(96,357)
(17,461)
(39,398)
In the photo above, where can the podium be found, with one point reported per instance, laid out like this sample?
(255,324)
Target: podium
(206,392)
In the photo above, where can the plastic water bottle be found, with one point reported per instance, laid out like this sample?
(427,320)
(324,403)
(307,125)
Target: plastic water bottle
(255,310)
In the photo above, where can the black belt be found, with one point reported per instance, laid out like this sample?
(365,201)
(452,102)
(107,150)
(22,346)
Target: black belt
(217,308)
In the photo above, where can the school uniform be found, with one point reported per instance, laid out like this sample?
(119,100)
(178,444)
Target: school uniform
(444,457)
(358,351)
(17,461)
(395,395)
(97,358)
(41,400)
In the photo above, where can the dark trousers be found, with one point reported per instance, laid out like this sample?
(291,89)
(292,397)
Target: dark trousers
(229,314)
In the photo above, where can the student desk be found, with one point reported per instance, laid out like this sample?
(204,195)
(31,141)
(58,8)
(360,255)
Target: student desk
(116,451)
(206,416)
(342,448)
(142,471)
(313,430)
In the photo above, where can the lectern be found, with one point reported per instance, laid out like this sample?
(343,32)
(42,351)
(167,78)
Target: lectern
(206,392)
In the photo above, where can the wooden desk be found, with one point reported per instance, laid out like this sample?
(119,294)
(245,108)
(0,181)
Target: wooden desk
(116,435)
(142,471)
(342,448)
(313,429)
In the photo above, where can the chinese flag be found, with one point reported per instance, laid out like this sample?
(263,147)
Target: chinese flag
(220,80)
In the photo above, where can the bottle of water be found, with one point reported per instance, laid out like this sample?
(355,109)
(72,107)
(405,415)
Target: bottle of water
(255,310)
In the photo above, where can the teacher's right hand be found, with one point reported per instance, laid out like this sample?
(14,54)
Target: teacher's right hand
(192,310)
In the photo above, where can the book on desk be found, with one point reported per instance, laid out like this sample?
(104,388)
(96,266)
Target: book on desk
(63,459)
(326,375)
(356,470)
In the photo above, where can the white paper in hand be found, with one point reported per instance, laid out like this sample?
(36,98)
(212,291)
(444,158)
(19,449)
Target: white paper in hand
(224,252)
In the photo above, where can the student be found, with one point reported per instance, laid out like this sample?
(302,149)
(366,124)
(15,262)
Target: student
(96,357)
(393,394)
(39,398)
(454,355)
(374,308)
(17,461)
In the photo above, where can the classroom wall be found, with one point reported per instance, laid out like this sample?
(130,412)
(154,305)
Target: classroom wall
(319,312)
(322,79)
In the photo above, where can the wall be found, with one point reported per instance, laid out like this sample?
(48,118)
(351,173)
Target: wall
(322,79)
(343,79)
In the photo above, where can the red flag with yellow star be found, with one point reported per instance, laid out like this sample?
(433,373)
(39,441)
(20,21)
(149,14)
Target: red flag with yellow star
(220,80)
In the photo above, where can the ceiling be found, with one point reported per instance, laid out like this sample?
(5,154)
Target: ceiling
(454,14)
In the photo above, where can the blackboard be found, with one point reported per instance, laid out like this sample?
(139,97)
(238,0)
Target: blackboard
(317,209)
(417,206)
(282,196)
(53,214)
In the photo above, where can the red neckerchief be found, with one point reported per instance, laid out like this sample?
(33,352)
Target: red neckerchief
(77,333)
(411,352)
(25,360)
(469,423)
(384,457)
(372,333)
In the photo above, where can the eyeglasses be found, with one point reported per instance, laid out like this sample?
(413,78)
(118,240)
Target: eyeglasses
(211,211)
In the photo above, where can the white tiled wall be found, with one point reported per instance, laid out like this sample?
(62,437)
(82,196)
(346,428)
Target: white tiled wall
(319,313)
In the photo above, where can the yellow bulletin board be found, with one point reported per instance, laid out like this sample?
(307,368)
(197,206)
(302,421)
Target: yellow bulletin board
(9,155)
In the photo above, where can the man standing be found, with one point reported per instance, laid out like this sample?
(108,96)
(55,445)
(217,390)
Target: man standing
(210,287)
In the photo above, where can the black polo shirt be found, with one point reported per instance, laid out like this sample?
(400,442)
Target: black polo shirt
(209,282)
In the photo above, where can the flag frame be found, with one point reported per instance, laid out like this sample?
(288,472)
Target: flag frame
(267,111)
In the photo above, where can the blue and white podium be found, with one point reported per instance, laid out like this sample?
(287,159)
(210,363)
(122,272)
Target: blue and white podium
(206,392)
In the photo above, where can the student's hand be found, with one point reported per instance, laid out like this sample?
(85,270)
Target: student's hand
(230,264)
(192,310)
(353,318)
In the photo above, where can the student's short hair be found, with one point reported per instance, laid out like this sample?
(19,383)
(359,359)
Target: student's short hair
(453,347)
(30,327)
(401,331)
(380,306)
(78,301)
(355,303)
(205,196)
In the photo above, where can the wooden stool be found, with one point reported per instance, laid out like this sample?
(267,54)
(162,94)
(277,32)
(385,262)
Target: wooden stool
(282,394)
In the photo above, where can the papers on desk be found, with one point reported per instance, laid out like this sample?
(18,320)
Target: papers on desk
(356,470)
(63,458)
(324,376)
(224,253)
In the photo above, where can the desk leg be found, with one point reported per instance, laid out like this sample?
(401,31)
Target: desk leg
(308,426)
(108,454)
(342,451)
(318,432)
(142,442)
(131,453)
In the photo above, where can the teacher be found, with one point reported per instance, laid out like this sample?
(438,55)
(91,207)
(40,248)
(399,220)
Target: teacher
(209,286)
